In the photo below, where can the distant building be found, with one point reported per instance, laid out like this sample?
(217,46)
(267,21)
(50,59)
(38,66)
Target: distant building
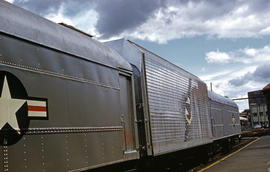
(266,93)
(258,109)
(245,113)
(245,120)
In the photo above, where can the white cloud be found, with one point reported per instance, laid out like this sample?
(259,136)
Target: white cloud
(250,51)
(255,55)
(217,57)
(244,56)
(252,72)
(222,82)
(59,17)
(84,21)
(87,21)
(10,1)
(215,76)
(191,19)
(161,21)
(222,86)
(265,31)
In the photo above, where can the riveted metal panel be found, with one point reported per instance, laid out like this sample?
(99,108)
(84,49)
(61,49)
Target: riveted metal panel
(2,158)
(64,151)
(76,90)
(168,86)
(27,155)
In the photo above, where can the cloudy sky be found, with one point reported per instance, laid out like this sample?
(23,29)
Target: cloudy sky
(223,42)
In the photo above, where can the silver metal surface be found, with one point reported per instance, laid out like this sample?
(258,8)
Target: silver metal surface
(67,130)
(145,102)
(225,116)
(80,79)
(127,50)
(167,86)
(135,57)
(55,74)
(218,98)
(128,117)
(26,25)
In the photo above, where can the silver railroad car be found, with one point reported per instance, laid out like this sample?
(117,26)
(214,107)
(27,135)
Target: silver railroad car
(224,116)
(175,101)
(66,100)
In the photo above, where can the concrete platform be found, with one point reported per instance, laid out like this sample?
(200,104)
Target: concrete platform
(254,158)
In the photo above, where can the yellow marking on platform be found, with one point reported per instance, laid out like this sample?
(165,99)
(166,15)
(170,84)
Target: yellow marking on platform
(222,159)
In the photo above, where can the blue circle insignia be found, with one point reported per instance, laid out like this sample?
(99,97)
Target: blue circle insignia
(188,114)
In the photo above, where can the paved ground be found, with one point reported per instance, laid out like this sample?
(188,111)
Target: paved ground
(254,158)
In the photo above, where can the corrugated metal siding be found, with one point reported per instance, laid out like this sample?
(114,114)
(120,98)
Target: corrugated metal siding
(217,119)
(222,115)
(168,86)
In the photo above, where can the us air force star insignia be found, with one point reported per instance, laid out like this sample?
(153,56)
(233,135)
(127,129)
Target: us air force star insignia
(17,109)
(188,114)
(9,107)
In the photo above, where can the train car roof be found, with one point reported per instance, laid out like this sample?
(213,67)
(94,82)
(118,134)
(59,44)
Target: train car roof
(128,51)
(144,50)
(25,25)
(133,53)
(219,98)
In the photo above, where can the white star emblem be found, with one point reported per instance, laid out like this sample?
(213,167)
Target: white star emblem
(9,107)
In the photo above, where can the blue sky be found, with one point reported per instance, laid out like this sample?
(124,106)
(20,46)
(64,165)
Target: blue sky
(190,53)
(223,42)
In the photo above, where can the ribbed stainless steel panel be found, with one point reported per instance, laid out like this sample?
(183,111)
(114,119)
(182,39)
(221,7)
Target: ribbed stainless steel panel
(217,119)
(168,87)
(224,115)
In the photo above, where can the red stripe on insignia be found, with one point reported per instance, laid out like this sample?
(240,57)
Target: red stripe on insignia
(37,108)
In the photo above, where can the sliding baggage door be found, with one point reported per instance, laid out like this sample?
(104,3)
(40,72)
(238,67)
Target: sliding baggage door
(127,116)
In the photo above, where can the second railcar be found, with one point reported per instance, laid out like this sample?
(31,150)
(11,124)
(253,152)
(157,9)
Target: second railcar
(174,101)
(224,114)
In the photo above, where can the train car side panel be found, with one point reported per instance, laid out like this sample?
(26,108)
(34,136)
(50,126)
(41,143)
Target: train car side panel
(79,125)
(178,107)
(135,57)
(224,116)
(175,102)
(76,114)
(217,119)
